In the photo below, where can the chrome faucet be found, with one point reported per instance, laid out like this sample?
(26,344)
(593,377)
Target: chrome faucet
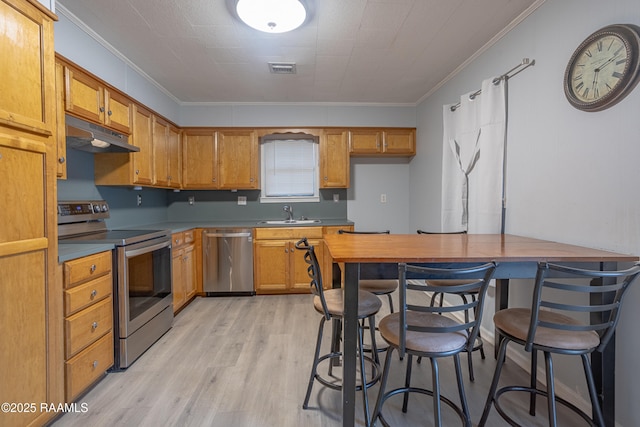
(289,210)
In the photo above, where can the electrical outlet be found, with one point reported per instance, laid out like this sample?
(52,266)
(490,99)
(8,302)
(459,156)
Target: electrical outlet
(242,200)
(383,198)
(336,197)
(139,199)
(192,200)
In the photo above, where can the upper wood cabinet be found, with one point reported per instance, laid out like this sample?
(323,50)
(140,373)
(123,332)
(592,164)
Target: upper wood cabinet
(382,142)
(87,97)
(334,159)
(199,159)
(220,159)
(32,356)
(167,154)
(238,160)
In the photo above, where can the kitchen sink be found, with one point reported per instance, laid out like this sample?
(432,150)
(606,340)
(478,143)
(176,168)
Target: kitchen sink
(290,221)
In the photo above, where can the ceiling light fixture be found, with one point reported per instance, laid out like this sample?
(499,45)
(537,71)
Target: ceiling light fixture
(272,16)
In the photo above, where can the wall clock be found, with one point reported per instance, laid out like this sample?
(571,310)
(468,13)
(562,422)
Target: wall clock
(604,68)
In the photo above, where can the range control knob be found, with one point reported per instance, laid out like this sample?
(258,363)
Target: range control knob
(105,208)
(96,209)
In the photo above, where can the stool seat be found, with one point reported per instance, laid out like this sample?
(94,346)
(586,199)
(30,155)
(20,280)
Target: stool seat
(379,286)
(515,322)
(368,303)
(424,342)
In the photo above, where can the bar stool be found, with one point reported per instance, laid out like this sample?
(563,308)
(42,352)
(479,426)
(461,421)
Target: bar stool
(330,304)
(478,346)
(423,330)
(551,326)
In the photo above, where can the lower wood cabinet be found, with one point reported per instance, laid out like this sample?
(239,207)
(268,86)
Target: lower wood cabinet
(183,269)
(88,321)
(278,266)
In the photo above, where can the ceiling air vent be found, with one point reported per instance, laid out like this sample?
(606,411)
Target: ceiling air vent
(282,67)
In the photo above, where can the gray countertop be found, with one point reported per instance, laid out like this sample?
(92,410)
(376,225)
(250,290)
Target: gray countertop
(69,251)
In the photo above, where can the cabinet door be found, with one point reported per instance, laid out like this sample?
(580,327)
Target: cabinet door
(237,159)
(161,151)
(365,141)
(174,154)
(142,137)
(300,280)
(177,278)
(61,133)
(400,141)
(199,159)
(271,266)
(334,159)
(83,95)
(189,277)
(118,111)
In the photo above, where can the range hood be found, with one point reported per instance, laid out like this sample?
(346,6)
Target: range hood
(85,136)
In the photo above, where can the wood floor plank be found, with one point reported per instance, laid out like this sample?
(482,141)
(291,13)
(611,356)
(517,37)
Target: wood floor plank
(245,361)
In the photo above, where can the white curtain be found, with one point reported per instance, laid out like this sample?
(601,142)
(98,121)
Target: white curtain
(472,161)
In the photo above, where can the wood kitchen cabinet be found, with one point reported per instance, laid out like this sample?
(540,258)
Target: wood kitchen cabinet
(334,159)
(89,98)
(183,269)
(88,322)
(130,168)
(31,313)
(219,159)
(278,266)
(167,154)
(382,142)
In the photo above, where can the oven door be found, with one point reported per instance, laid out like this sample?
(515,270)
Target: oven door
(144,283)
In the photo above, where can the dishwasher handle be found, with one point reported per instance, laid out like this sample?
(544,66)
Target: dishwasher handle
(247,234)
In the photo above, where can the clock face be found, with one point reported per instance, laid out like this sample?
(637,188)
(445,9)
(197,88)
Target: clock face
(604,68)
(599,68)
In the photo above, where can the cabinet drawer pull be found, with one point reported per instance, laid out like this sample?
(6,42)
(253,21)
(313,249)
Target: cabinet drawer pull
(94,325)
(95,364)
(94,293)
(93,268)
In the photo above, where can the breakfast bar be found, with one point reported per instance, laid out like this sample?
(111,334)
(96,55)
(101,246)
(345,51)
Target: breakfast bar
(517,258)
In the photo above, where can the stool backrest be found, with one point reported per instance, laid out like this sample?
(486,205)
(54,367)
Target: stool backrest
(314,273)
(441,232)
(476,279)
(557,288)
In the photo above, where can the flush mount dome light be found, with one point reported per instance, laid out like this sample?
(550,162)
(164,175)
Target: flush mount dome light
(272,16)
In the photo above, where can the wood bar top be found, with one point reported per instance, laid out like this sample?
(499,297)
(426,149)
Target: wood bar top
(367,248)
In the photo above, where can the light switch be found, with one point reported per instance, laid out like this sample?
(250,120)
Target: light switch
(383,198)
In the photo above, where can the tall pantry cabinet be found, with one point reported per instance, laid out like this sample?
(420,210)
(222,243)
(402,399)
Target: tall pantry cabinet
(31,357)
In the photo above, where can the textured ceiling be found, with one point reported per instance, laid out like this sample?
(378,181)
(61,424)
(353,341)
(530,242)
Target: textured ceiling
(354,51)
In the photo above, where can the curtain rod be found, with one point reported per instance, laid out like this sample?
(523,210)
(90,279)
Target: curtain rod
(526,63)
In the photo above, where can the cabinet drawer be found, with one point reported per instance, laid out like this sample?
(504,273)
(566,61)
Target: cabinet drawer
(288,233)
(177,239)
(87,326)
(82,269)
(82,296)
(88,366)
(188,236)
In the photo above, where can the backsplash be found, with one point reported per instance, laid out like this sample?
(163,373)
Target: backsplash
(160,205)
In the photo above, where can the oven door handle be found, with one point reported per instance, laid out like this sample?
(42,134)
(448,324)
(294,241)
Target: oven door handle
(135,252)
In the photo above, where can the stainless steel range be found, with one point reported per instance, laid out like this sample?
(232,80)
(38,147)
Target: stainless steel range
(143,309)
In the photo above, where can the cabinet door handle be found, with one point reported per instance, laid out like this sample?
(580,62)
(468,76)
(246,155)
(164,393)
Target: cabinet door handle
(109,112)
(102,109)
(94,325)
(61,159)
(95,364)
(93,268)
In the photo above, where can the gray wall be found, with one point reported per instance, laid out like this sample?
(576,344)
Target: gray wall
(571,176)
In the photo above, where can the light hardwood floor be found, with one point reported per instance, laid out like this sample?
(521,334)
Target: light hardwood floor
(245,361)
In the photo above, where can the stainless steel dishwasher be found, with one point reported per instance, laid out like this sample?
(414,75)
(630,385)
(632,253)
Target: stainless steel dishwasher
(227,261)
